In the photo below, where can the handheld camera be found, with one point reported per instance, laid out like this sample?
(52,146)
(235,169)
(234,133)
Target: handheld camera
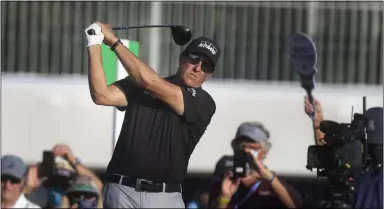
(242,163)
(47,167)
(57,177)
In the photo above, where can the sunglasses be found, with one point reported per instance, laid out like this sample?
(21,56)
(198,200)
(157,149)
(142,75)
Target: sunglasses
(77,196)
(11,179)
(194,59)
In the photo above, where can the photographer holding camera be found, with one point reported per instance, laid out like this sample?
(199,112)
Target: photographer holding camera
(260,187)
(65,174)
(369,186)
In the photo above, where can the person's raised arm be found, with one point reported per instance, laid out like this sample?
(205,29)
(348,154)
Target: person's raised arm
(143,74)
(288,196)
(308,107)
(63,150)
(101,93)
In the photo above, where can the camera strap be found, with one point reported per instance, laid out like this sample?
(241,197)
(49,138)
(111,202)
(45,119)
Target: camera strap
(249,194)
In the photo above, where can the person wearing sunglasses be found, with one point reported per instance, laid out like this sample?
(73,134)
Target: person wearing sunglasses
(164,120)
(83,193)
(13,181)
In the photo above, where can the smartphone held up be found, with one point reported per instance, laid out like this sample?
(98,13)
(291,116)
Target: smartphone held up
(57,171)
(47,167)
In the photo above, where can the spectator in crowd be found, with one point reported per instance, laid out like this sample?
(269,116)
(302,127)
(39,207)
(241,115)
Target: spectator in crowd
(13,179)
(200,200)
(66,174)
(83,193)
(32,190)
(259,189)
(57,185)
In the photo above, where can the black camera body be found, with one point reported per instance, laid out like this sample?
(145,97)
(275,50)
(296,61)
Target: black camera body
(343,148)
(56,177)
(341,159)
(242,163)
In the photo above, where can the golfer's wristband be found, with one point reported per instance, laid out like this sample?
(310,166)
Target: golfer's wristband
(115,44)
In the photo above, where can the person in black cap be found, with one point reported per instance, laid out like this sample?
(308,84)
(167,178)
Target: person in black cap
(164,120)
(260,188)
(13,181)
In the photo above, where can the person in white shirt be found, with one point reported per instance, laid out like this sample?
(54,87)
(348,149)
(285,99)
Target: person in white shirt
(13,178)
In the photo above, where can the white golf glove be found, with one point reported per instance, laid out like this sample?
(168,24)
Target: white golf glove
(97,38)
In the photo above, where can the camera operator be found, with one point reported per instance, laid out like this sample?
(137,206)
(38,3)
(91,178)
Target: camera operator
(260,188)
(13,181)
(66,173)
(369,188)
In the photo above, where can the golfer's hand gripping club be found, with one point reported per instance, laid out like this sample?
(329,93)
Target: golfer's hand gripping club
(92,31)
(94,35)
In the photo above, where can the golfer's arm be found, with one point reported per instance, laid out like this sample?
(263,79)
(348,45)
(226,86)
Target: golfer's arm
(101,93)
(147,78)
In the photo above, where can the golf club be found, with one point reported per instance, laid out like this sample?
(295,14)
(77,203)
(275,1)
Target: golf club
(181,34)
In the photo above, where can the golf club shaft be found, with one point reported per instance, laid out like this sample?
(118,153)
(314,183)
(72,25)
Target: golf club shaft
(92,31)
(142,26)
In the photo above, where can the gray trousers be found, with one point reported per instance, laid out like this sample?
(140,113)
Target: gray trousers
(120,196)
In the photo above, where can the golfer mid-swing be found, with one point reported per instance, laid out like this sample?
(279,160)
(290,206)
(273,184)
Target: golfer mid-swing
(164,120)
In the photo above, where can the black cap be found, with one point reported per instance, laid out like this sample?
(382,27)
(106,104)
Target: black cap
(205,46)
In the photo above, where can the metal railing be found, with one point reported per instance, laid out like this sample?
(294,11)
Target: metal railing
(47,37)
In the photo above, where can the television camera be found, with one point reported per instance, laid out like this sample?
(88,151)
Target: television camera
(340,160)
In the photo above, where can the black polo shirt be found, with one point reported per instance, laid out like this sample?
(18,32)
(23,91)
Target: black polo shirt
(155,143)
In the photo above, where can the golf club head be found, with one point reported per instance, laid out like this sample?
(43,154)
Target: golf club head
(181,34)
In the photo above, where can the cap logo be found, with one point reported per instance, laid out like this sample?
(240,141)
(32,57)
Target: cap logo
(371,125)
(10,165)
(209,46)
